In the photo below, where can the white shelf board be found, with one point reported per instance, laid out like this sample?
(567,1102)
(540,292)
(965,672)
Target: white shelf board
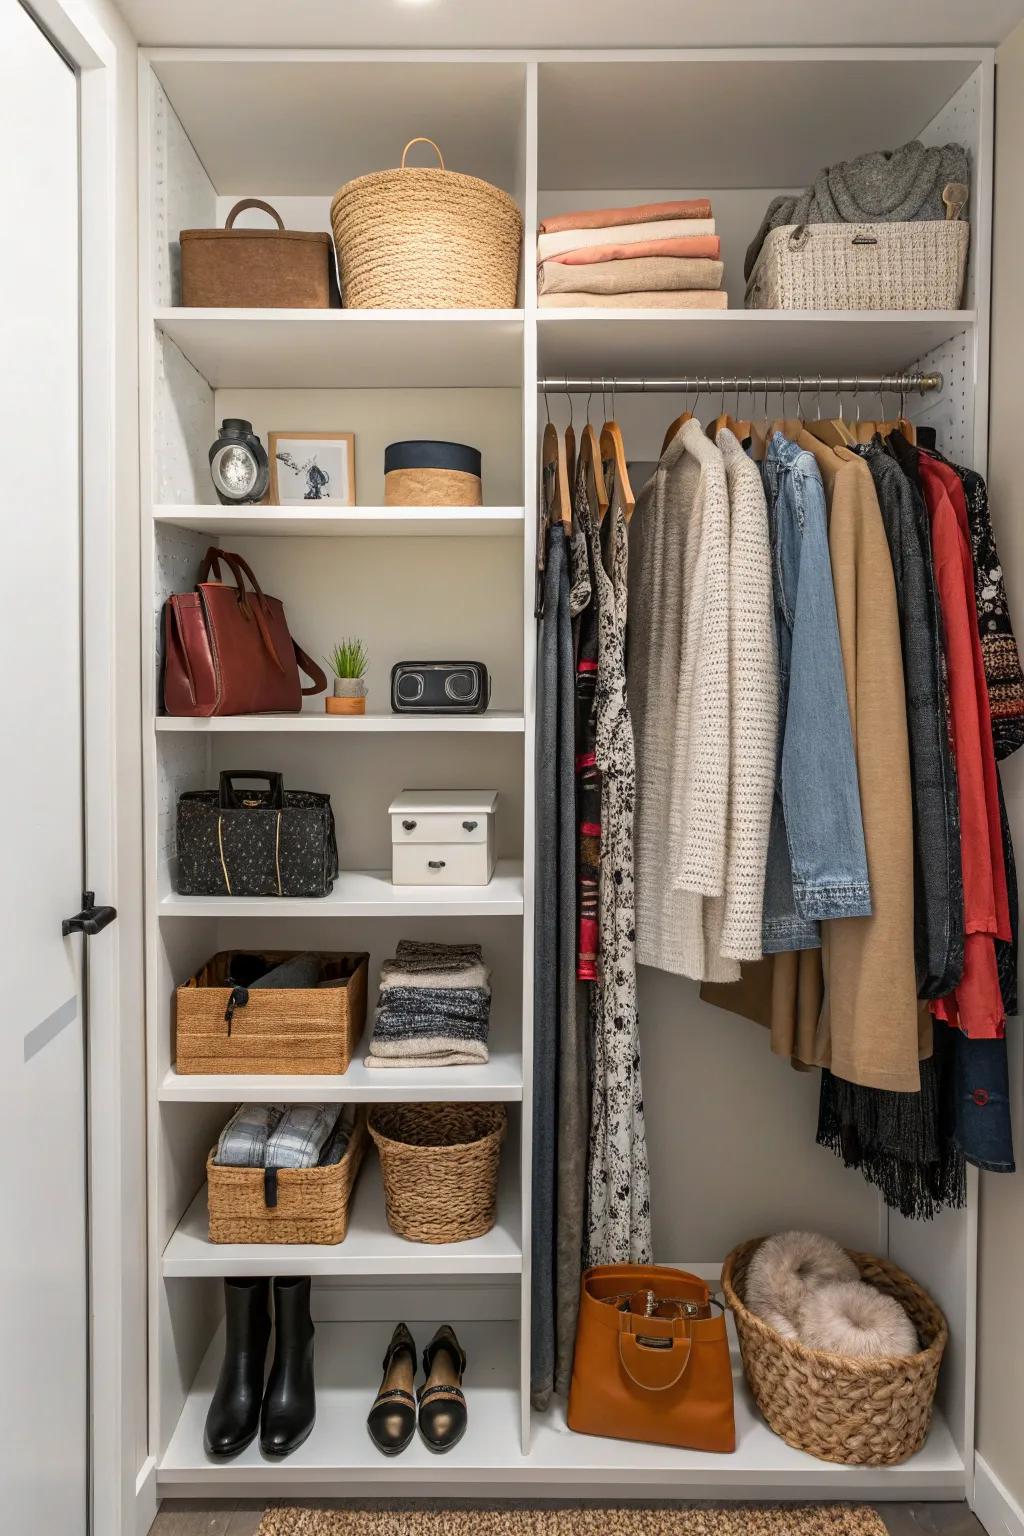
(598,342)
(495,721)
(339,1458)
(367,893)
(349,348)
(369,1248)
(501,1080)
(346,522)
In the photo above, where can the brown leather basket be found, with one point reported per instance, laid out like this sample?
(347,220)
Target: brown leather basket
(255,268)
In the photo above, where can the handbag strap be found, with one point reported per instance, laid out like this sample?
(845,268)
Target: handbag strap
(242,570)
(309,666)
(653,1361)
(229,798)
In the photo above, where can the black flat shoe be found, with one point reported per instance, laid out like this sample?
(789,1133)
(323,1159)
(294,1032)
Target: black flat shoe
(392,1419)
(443,1411)
(234,1415)
(289,1407)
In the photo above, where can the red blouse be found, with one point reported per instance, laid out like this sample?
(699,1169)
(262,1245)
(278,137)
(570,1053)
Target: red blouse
(976,1006)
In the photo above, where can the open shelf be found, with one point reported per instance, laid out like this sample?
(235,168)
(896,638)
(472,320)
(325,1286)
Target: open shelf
(347,522)
(495,721)
(370,1247)
(742,341)
(349,348)
(368,893)
(501,1080)
(339,1456)
(339,1450)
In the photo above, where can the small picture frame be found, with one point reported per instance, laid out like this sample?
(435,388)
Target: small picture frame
(312,469)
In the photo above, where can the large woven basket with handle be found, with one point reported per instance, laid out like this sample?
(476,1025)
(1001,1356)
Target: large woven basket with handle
(864,1412)
(426,238)
(440,1168)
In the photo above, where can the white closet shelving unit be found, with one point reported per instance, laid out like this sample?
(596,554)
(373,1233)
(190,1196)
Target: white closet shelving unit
(731,1131)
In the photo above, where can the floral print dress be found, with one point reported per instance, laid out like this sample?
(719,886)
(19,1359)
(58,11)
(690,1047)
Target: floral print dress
(618,1176)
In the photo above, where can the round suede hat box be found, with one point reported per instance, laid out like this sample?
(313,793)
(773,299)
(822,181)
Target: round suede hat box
(431,474)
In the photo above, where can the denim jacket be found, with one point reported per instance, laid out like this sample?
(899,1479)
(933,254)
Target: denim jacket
(817,864)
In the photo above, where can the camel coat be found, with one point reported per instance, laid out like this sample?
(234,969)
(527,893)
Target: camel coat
(854,1008)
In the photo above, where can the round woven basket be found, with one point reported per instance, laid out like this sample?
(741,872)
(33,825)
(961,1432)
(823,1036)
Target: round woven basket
(862,1412)
(426,238)
(440,1168)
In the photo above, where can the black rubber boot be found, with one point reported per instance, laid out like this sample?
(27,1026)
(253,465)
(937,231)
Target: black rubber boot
(289,1406)
(234,1415)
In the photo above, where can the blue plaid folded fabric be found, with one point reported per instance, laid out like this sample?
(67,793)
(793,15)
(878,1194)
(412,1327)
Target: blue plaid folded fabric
(243,1141)
(301,1135)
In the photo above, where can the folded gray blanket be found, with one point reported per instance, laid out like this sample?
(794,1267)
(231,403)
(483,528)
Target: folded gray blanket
(301,1135)
(394,974)
(435,1003)
(285,1136)
(413,955)
(881,187)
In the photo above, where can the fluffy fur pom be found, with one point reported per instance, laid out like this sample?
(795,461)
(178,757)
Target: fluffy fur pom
(786,1269)
(852,1318)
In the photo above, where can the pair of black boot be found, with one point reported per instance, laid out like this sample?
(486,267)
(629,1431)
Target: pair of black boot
(283,1414)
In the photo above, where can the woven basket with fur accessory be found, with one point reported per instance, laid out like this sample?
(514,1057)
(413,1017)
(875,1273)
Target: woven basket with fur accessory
(866,1410)
(440,1168)
(426,238)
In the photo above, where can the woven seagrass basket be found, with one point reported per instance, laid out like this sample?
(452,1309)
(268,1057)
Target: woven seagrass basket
(312,1204)
(866,1412)
(288,1030)
(426,238)
(440,1168)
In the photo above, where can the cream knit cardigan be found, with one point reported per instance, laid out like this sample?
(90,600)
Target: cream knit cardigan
(700,842)
(735,921)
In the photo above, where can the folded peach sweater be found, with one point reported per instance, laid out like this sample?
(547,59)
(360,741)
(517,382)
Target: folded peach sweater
(680,245)
(623,234)
(643,213)
(646,274)
(673,298)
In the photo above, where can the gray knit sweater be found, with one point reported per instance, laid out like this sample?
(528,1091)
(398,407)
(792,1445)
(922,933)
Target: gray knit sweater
(882,187)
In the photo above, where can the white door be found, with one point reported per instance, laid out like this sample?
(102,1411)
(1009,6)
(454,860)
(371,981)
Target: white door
(43,1256)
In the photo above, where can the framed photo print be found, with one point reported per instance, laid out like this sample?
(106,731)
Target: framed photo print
(312,469)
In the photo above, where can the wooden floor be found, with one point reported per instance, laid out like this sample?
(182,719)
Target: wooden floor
(190,1517)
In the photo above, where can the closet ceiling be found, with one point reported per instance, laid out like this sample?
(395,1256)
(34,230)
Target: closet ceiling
(539,24)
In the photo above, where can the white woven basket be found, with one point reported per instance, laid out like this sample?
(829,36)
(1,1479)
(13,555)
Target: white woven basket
(861,266)
(431,238)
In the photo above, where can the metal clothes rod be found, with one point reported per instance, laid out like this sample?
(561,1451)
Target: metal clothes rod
(756,384)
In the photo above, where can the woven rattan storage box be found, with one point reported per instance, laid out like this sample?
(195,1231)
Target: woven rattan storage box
(301,1030)
(286,1205)
(861,266)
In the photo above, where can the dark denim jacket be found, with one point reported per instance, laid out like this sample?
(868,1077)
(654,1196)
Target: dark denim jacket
(817,864)
(938,878)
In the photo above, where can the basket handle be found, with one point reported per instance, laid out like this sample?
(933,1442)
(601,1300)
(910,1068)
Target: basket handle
(410,144)
(253,202)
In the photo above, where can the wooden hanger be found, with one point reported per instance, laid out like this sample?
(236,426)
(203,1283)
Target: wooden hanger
(613,451)
(552,456)
(832,431)
(570,441)
(590,460)
(673,428)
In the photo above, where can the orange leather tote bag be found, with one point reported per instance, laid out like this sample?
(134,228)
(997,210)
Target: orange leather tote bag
(652,1360)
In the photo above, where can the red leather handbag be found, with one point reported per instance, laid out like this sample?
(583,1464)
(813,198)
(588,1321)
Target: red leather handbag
(227,649)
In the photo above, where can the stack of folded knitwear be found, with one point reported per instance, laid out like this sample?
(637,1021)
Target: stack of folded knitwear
(433,1008)
(654,256)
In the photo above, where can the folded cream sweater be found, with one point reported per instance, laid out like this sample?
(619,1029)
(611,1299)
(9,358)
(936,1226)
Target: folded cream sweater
(621,234)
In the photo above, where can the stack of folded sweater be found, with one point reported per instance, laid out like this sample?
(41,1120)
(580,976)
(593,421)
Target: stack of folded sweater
(654,256)
(433,1009)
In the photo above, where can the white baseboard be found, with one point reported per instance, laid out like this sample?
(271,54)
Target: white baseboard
(994,1505)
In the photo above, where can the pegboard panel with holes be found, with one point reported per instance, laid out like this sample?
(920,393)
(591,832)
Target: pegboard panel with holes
(958,123)
(184,426)
(183,196)
(951,411)
(182,763)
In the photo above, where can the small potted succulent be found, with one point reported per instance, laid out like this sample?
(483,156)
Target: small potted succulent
(348,661)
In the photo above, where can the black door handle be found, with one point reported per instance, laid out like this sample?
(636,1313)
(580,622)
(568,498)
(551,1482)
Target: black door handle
(91,918)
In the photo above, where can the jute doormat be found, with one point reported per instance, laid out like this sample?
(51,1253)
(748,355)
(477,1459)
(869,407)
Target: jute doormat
(738,1520)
